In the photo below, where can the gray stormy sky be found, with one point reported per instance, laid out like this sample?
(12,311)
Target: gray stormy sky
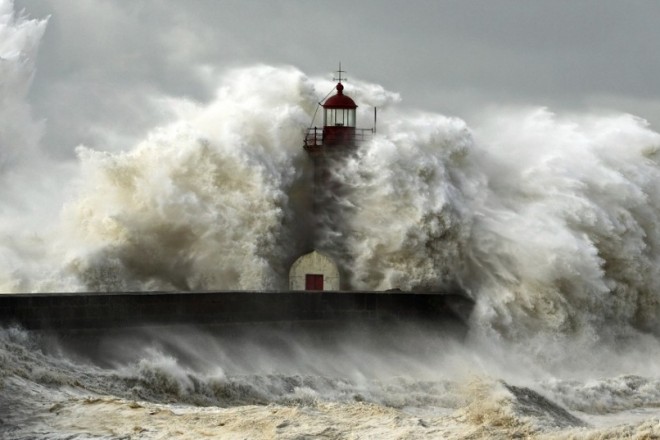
(102,62)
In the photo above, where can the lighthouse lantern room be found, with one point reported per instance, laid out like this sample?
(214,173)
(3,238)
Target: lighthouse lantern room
(338,123)
(339,119)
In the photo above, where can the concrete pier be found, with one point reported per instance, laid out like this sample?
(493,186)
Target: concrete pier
(81,311)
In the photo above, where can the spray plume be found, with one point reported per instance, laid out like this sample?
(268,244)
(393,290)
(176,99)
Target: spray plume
(549,222)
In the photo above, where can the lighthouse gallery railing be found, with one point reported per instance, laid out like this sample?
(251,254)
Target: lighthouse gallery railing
(314,136)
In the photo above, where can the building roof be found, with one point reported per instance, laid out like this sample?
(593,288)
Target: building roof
(339,100)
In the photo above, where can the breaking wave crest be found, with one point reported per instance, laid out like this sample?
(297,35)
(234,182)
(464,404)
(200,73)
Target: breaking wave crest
(163,386)
(205,203)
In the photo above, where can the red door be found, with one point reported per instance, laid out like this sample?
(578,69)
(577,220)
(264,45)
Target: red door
(313,282)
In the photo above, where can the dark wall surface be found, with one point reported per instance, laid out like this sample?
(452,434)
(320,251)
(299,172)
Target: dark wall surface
(129,309)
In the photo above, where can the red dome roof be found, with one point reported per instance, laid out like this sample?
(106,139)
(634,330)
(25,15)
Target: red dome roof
(339,100)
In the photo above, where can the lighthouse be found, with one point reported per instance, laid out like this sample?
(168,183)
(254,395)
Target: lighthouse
(329,147)
(339,133)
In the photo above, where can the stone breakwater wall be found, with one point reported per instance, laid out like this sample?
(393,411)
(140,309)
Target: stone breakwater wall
(64,311)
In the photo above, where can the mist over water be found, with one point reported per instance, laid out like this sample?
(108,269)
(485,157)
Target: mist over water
(549,222)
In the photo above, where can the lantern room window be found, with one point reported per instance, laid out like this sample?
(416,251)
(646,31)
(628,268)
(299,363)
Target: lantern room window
(342,117)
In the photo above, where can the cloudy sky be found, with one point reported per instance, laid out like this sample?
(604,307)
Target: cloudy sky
(103,65)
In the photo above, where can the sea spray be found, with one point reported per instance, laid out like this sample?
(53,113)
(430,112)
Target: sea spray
(23,202)
(547,221)
(408,188)
(202,203)
(565,243)
(19,42)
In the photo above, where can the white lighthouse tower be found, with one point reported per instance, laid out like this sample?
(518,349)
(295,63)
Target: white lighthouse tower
(328,146)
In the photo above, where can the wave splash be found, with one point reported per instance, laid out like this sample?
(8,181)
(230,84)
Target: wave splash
(548,221)
(166,387)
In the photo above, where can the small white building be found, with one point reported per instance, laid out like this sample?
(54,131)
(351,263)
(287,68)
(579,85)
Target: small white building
(314,271)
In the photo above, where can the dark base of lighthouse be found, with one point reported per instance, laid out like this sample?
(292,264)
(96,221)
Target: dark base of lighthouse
(63,312)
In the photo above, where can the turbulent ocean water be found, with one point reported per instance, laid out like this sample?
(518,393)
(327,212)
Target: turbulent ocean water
(549,222)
